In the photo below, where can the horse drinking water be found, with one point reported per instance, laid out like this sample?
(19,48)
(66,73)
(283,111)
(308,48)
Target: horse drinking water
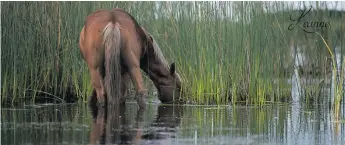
(115,48)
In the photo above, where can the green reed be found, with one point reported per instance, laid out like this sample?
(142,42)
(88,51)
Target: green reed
(225,51)
(337,80)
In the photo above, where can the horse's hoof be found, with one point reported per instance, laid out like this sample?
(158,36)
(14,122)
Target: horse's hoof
(101,104)
(92,104)
(92,101)
(123,101)
(141,100)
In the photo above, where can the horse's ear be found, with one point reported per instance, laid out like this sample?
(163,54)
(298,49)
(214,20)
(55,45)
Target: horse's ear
(172,68)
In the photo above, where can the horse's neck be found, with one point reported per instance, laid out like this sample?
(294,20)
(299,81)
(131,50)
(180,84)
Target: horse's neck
(155,64)
(156,69)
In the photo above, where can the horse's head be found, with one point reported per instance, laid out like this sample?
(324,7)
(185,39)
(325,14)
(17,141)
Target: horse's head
(169,88)
(165,77)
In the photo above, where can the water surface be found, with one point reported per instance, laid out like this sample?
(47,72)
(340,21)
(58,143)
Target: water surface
(160,124)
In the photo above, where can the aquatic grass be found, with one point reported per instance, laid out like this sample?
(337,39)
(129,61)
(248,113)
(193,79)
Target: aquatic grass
(337,83)
(339,91)
(226,52)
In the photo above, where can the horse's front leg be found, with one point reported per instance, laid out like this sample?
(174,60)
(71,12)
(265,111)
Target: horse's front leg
(133,65)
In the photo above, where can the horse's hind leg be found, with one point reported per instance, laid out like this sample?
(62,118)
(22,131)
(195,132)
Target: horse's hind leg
(125,79)
(93,98)
(133,65)
(138,81)
(97,82)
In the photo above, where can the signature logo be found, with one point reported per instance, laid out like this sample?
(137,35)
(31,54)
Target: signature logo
(307,25)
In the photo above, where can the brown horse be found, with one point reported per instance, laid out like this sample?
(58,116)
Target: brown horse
(115,49)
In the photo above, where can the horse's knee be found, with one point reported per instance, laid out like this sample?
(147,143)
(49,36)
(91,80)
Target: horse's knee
(101,95)
(97,82)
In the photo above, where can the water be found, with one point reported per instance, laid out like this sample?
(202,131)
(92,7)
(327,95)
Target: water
(183,125)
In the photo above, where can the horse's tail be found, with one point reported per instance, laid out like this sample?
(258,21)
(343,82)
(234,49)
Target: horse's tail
(112,44)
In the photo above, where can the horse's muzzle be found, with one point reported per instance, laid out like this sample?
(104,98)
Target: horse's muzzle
(168,93)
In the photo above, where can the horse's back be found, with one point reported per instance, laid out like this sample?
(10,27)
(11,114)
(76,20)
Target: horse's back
(91,40)
(96,22)
(102,17)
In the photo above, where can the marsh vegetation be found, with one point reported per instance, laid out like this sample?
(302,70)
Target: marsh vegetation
(226,52)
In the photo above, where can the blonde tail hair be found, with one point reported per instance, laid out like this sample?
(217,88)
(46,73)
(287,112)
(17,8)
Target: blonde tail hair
(112,43)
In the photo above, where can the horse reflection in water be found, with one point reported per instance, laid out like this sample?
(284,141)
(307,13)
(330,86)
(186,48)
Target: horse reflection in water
(166,123)
(115,128)
(110,128)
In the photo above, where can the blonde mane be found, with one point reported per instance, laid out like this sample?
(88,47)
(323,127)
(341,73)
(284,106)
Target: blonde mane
(158,52)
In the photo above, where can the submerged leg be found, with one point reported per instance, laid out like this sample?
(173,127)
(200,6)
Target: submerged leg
(133,66)
(93,99)
(138,81)
(97,82)
(125,80)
